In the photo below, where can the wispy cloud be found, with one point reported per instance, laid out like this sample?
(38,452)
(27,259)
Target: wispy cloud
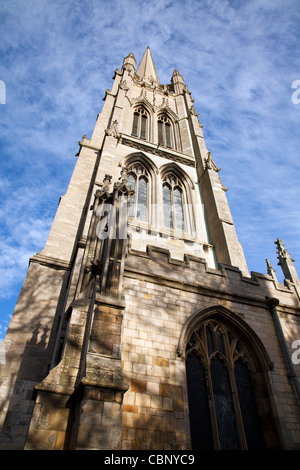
(239,59)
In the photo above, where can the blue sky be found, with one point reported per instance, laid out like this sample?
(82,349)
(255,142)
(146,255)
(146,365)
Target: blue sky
(239,59)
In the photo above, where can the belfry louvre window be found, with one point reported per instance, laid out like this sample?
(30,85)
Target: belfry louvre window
(222,402)
(164,131)
(139,125)
(139,182)
(173,216)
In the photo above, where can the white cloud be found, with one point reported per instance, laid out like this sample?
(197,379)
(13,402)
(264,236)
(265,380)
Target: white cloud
(25,238)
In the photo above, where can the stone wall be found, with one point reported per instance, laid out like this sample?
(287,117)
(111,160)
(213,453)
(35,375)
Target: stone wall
(158,303)
(31,338)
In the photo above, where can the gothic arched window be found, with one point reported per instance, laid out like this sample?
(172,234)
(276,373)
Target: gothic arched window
(222,401)
(173,214)
(164,131)
(139,125)
(139,182)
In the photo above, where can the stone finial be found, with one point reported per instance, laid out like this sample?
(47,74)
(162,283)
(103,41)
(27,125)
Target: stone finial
(281,250)
(104,191)
(122,184)
(286,263)
(129,62)
(271,270)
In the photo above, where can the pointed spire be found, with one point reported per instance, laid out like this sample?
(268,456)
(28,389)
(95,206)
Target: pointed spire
(146,70)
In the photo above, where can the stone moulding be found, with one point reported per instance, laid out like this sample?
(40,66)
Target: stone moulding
(158,150)
(230,318)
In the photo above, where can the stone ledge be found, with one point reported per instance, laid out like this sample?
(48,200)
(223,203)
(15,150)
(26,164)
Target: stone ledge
(50,261)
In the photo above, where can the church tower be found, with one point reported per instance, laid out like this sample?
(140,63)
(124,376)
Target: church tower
(138,325)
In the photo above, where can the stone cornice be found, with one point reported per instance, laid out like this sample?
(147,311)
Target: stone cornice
(50,261)
(173,155)
(84,142)
(148,147)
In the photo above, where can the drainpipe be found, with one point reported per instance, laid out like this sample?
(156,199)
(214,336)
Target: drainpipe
(272,304)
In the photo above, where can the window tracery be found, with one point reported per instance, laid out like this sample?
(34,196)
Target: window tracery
(222,402)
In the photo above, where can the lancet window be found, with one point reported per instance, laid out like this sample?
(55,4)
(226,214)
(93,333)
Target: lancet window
(164,131)
(173,203)
(139,182)
(222,403)
(140,123)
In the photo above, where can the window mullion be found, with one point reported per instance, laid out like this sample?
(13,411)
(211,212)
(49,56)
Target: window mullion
(136,198)
(210,391)
(234,392)
(237,409)
(212,409)
(172,209)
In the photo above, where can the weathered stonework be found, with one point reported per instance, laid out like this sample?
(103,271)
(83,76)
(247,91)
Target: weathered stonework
(97,348)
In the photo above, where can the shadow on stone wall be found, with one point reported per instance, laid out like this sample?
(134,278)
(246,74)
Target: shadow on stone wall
(32,341)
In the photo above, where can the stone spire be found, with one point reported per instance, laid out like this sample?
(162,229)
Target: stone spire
(286,263)
(146,70)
